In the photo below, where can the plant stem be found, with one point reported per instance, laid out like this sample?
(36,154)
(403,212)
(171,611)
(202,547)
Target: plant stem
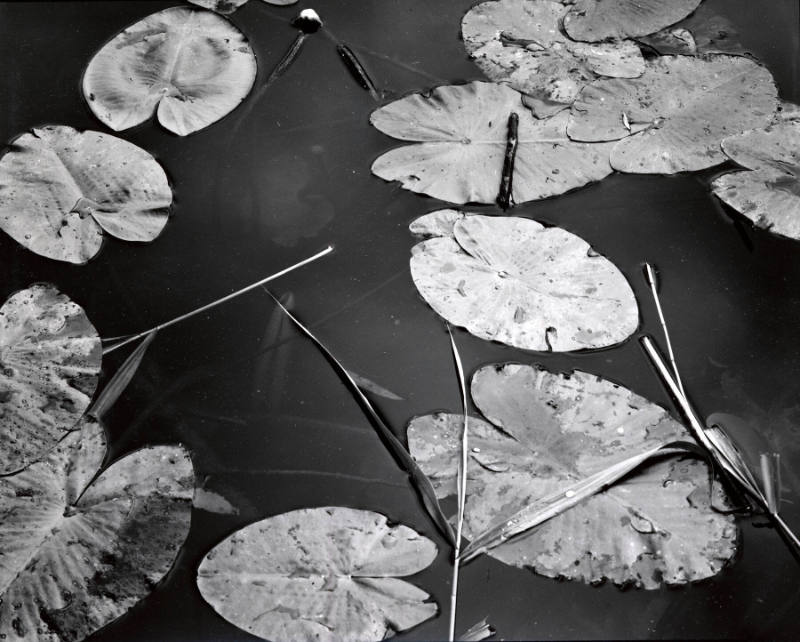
(224,299)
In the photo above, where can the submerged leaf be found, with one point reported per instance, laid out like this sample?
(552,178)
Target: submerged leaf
(62,188)
(512,280)
(50,358)
(593,20)
(191,67)
(548,431)
(519,42)
(462,131)
(678,112)
(77,555)
(703,32)
(319,573)
(769,195)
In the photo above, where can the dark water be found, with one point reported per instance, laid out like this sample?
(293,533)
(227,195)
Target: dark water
(274,431)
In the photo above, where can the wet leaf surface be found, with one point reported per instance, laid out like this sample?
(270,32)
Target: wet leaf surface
(703,32)
(769,195)
(79,553)
(519,42)
(675,116)
(544,432)
(62,188)
(229,6)
(596,20)
(462,132)
(189,67)
(512,280)
(50,355)
(319,573)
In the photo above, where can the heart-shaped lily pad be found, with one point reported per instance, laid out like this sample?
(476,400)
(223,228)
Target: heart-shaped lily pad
(545,431)
(50,358)
(190,67)
(79,553)
(62,188)
(512,280)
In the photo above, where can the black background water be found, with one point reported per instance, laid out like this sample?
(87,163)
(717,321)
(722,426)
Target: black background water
(276,430)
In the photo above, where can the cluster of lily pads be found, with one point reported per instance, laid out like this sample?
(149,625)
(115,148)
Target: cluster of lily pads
(82,541)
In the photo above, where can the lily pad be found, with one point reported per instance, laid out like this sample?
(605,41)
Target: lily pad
(596,20)
(520,42)
(770,194)
(545,431)
(50,358)
(512,280)
(229,6)
(79,553)
(675,116)
(703,32)
(62,188)
(319,573)
(190,67)
(462,132)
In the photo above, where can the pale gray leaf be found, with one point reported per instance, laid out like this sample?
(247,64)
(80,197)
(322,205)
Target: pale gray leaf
(50,358)
(512,280)
(323,573)
(548,431)
(462,134)
(520,42)
(678,112)
(62,188)
(76,557)
(596,20)
(190,67)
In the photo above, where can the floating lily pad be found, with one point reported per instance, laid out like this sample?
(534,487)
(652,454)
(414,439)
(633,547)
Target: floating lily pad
(79,553)
(229,6)
(520,42)
(545,431)
(49,364)
(188,66)
(675,116)
(323,574)
(62,188)
(596,20)
(512,280)
(770,194)
(462,133)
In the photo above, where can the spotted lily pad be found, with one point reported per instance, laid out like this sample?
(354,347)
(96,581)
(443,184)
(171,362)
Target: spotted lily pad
(512,280)
(769,195)
(188,66)
(49,363)
(675,116)
(596,20)
(319,573)
(520,42)
(462,132)
(62,188)
(545,431)
(79,553)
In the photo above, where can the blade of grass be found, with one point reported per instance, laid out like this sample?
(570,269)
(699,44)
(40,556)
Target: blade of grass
(224,299)
(477,632)
(556,503)
(462,484)
(771,479)
(122,377)
(398,451)
(652,280)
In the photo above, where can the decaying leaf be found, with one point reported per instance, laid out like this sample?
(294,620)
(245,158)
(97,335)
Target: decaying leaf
(61,188)
(190,67)
(548,431)
(462,132)
(50,358)
(596,20)
(512,280)
(319,573)
(229,6)
(787,111)
(79,553)
(520,42)
(678,112)
(769,195)
(703,32)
